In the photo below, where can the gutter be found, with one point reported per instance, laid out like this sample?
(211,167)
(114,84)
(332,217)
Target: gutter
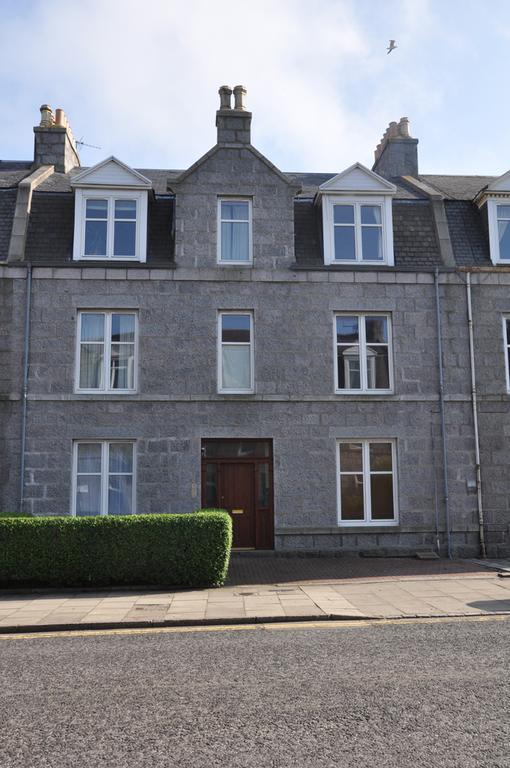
(483,550)
(24,397)
(442,412)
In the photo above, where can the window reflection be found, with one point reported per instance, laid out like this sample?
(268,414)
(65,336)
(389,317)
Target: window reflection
(240,449)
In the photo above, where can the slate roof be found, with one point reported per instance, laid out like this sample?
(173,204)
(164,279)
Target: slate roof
(457,187)
(7,205)
(310,183)
(11,174)
(51,229)
(468,233)
(61,182)
(414,233)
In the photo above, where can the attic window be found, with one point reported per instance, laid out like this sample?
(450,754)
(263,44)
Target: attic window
(110,219)
(357,231)
(503,221)
(110,225)
(498,211)
(357,218)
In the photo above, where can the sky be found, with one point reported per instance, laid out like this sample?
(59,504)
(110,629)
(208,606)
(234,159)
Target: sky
(140,79)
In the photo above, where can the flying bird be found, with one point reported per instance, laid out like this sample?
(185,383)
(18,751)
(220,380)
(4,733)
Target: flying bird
(391,46)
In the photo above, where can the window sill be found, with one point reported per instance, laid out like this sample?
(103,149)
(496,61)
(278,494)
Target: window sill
(236,393)
(111,259)
(363,527)
(338,530)
(247,264)
(95,393)
(364,392)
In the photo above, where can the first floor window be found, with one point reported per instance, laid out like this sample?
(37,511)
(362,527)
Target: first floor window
(367,482)
(363,360)
(235,352)
(103,478)
(106,351)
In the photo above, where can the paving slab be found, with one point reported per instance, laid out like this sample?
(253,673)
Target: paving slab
(272,588)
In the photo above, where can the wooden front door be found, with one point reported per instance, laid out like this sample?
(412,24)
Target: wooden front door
(237,476)
(237,487)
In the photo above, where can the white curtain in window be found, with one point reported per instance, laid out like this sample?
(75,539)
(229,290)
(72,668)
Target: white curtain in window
(234,241)
(88,479)
(91,366)
(236,367)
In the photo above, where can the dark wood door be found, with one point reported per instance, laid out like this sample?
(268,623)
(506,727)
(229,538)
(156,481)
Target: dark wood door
(237,475)
(237,496)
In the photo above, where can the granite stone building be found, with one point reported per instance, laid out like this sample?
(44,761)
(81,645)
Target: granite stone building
(325,355)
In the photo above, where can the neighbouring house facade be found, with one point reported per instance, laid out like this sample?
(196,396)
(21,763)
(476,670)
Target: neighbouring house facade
(324,355)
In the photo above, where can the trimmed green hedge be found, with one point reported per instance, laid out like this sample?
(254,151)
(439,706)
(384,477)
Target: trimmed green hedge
(161,550)
(15,514)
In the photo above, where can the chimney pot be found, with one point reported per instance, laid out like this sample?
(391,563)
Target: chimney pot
(46,116)
(393,130)
(403,127)
(60,118)
(239,94)
(225,92)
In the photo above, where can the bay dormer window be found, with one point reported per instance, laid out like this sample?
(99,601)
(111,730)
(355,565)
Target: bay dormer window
(110,213)
(357,218)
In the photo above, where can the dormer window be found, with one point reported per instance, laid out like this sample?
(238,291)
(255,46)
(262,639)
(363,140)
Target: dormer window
(110,226)
(358,232)
(357,218)
(499,230)
(110,213)
(503,215)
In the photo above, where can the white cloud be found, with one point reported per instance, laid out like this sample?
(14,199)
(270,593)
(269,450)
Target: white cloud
(141,79)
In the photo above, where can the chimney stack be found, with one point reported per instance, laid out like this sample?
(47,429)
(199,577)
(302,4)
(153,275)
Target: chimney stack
(397,152)
(54,141)
(234,125)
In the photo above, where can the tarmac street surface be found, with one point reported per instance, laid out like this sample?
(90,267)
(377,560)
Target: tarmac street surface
(391,693)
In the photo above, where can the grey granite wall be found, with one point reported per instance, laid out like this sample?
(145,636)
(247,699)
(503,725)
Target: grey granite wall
(294,402)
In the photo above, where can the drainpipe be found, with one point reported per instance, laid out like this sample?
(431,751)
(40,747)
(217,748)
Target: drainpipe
(442,412)
(24,400)
(483,550)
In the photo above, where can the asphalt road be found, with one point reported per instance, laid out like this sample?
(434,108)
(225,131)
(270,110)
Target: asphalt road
(380,695)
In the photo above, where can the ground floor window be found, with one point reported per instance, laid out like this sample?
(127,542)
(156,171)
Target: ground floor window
(367,482)
(103,478)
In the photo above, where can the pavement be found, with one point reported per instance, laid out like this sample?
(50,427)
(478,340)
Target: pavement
(261,589)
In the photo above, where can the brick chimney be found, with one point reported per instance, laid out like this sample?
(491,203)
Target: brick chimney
(233,124)
(397,153)
(54,142)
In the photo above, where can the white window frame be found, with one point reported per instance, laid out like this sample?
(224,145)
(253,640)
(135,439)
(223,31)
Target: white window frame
(106,389)
(228,262)
(221,389)
(492,211)
(367,521)
(81,197)
(506,347)
(362,344)
(105,474)
(328,204)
